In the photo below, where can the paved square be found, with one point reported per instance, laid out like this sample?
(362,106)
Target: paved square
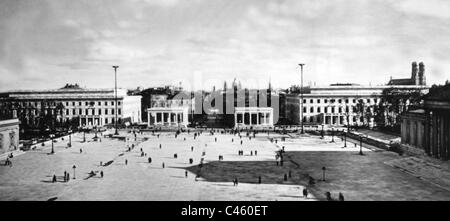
(365,177)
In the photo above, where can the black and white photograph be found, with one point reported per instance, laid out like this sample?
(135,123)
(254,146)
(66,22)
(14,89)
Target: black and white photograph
(224,101)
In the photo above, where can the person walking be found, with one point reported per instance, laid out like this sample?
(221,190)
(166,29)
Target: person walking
(163,166)
(101,173)
(341,196)
(305,193)
(126,162)
(149,160)
(185,174)
(81,150)
(54,178)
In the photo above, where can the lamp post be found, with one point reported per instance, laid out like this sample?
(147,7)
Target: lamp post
(115,98)
(323,173)
(53,150)
(301,97)
(345,139)
(70,138)
(74,167)
(332,135)
(322,131)
(360,145)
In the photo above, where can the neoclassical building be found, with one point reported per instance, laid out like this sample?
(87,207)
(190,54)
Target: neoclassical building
(9,135)
(338,104)
(89,107)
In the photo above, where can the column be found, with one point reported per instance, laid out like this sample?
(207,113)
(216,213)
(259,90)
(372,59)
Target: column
(257,118)
(168,118)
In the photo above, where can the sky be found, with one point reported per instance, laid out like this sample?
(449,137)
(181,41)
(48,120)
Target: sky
(45,44)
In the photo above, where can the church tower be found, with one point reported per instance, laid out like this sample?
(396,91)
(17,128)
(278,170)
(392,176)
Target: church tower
(414,74)
(422,80)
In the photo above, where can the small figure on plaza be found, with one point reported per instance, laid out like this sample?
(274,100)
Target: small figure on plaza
(126,162)
(149,160)
(101,173)
(259,179)
(341,196)
(185,174)
(305,193)
(163,165)
(54,178)
(81,150)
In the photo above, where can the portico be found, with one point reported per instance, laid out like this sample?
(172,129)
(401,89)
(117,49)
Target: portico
(253,117)
(167,116)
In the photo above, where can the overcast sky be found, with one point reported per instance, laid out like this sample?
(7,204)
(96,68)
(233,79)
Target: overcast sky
(45,44)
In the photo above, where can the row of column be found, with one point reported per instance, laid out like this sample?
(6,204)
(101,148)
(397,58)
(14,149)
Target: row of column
(266,118)
(179,118)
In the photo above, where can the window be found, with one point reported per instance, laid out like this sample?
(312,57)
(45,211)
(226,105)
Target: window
(311,119)
(304,109)
(346,101)
(73,103)
(340,101)
(106,120)
(112,103)
(67,112)
(79,103)
(368,100)
(340,110)
(311,101)
(375,100)
(106,111)
(346,109)
(354,101)
(99,111)
(106,103)
(326,100)
(67,103)
(304,100)
(332,110)
(99,103)
(118,103)
(318,101)
(326,110)
(318,109)
(311,110)
(112,111)
(86,103)
(119,111)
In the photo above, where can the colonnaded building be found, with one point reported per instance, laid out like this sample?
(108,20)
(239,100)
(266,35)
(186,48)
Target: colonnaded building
(87,107)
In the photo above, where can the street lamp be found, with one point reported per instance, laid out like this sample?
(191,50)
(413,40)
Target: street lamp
(323,173)
(53,150)
(345,139)
(301,97)
(360,145)
(332,135)
(115,97)
(74,167)
(322,133)
(70,138)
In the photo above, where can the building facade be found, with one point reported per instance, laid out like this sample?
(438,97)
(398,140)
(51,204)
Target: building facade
(339,104)
(429,128)
(81,106)
(9,135)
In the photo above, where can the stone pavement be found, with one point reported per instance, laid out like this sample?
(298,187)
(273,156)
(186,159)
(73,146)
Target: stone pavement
(368,177)
(30,176)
